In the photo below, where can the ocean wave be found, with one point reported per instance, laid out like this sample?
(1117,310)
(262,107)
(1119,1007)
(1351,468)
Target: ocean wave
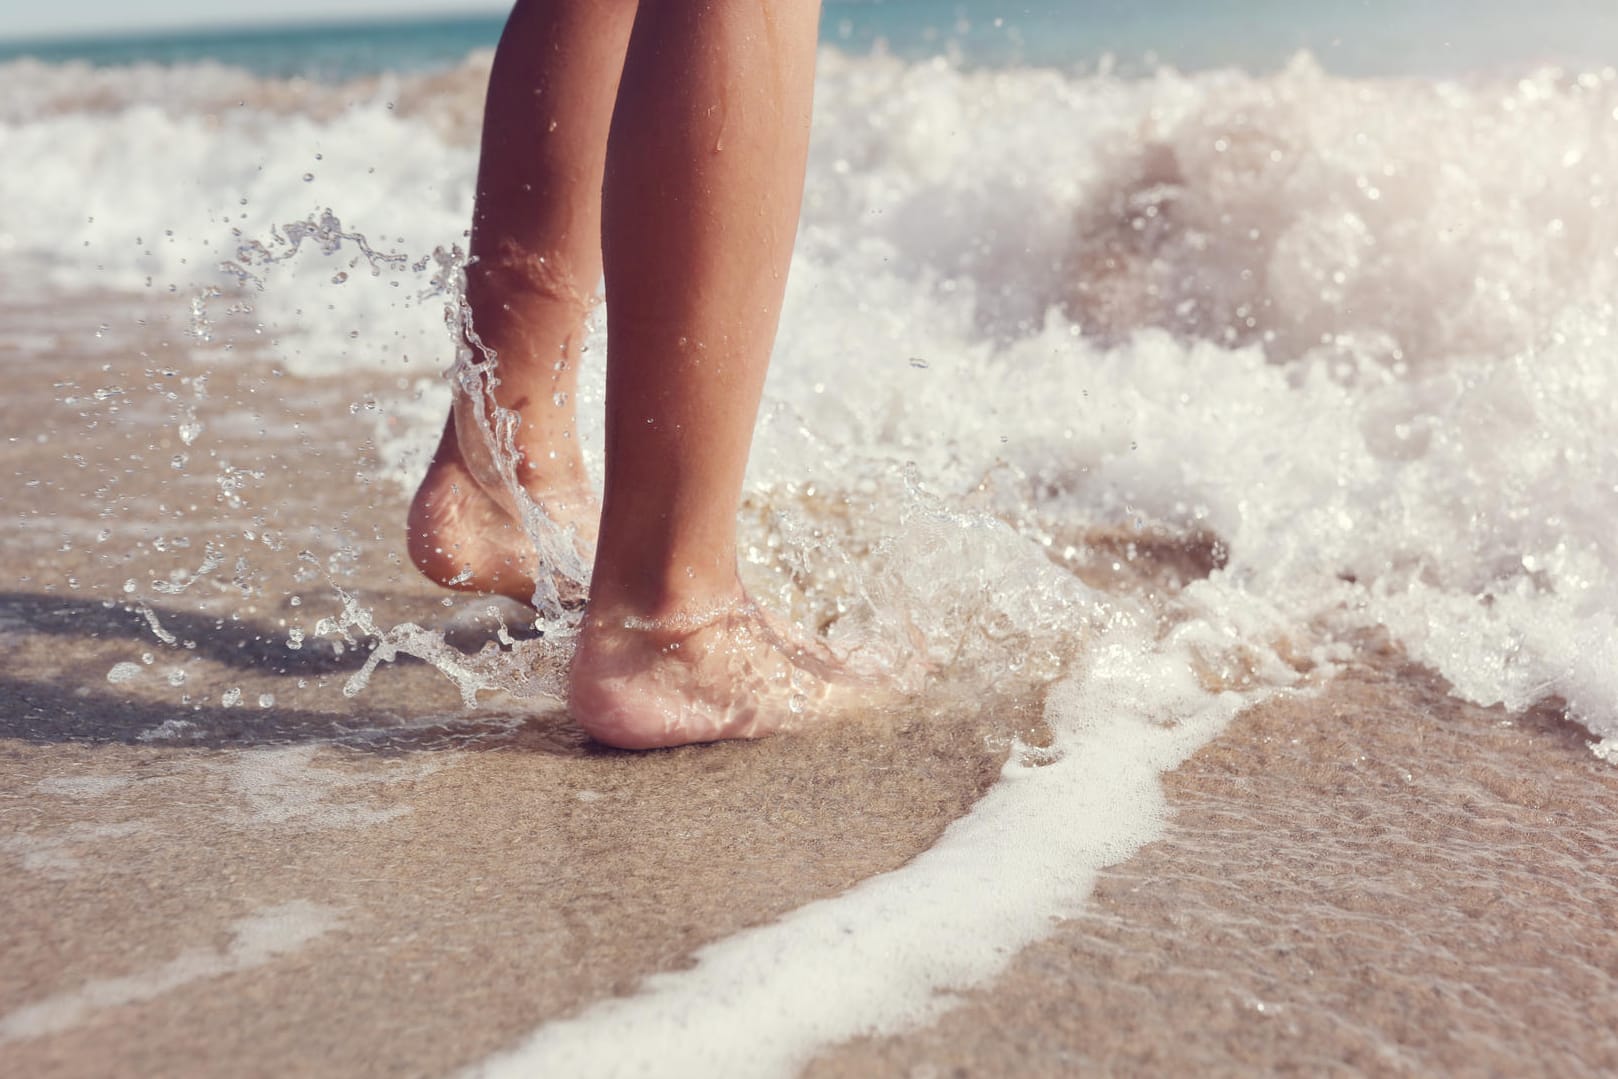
(1356,335)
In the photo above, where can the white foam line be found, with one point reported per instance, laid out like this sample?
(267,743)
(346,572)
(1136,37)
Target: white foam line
(54,854)
(282,787)
(258,938)
(82,786)
(882,956)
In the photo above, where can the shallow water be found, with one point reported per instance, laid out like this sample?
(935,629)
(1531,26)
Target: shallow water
(1354,335)
(1137,400)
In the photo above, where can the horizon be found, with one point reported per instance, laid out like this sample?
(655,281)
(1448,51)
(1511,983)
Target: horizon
(189,18)
(201,18)
(342,38)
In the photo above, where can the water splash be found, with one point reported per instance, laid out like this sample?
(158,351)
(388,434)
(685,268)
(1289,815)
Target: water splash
(473,377)
(324,231)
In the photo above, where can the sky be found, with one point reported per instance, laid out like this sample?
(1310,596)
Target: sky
(30,18)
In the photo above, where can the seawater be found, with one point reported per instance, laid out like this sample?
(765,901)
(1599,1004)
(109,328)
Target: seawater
(1162,389)
(1364,38)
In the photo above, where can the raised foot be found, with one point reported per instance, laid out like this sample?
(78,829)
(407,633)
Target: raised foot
(462,537)
(636,684)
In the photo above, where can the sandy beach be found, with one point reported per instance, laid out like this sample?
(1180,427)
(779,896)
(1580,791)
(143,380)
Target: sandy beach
(267,877)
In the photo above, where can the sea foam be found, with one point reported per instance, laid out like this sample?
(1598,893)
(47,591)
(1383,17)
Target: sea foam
(1360,331)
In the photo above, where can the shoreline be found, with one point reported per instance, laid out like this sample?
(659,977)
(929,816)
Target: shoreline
(1371,875)
(223,865)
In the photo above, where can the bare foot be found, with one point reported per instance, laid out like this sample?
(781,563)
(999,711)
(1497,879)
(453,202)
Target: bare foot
(465,536)
(730,673)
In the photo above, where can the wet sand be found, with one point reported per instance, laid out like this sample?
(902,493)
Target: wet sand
(1376,879)
(1379,881)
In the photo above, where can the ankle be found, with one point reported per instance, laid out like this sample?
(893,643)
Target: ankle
(660,609)
(547,460)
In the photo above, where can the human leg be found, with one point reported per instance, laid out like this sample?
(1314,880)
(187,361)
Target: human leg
(704,178)
(537,258)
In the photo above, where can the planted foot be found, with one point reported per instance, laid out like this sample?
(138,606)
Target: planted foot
(639,683)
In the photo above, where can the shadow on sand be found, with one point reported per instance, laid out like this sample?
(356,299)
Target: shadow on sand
(58,711)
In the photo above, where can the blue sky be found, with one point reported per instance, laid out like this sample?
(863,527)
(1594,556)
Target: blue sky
(22,18)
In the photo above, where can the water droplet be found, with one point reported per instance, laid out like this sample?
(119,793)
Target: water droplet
(559,399)
(266,700)
(231,698)
(308,177)
(918,363)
